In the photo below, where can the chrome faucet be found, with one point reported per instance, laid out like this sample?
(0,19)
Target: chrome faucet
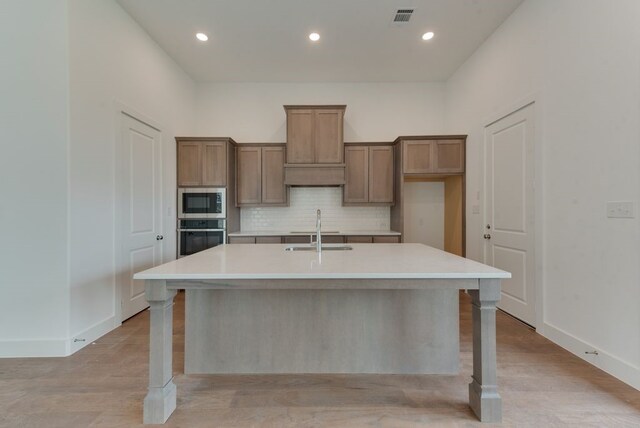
(318,234)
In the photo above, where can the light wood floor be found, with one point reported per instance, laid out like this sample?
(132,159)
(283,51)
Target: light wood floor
(104,385)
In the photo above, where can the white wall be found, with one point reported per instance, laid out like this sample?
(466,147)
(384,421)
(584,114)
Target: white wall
(424,213)
(581,61)
(252,112)
(33,178)
(113,59)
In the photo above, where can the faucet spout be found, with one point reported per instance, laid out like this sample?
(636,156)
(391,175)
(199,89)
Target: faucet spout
(318,231)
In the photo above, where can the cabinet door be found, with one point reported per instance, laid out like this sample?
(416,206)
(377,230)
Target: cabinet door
(249,176)
(386,239)
(189,163)
(449,156)
(300,129)
(329,145)
(381,174)
(273,189)
(214,163)
(242,240)
(359,239)
(304,239)
(332,239)
(417,157)
(356,189)
(268,240)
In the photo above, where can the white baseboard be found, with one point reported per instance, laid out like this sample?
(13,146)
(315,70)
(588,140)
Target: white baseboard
(623,370)
(34,348)
(89,335)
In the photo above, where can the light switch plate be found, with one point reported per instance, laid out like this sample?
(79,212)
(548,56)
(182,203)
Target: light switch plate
(620,209)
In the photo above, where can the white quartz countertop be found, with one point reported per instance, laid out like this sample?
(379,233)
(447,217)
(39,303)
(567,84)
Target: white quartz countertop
(309,232)
(365,261)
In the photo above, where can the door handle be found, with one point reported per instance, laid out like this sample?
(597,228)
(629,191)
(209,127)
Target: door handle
(487,236)
(159,238)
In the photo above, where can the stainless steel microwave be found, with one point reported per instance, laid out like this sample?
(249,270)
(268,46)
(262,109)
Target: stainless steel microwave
(202,202)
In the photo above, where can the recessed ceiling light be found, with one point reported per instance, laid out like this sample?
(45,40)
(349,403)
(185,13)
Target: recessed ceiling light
(202,37)
(314,37)
(427,36)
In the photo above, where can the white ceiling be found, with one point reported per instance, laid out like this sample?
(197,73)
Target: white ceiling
(266,41)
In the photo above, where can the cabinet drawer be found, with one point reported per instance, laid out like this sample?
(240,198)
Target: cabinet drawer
(332,239)
(304,239)
(242,240)
(268,240)
(359,239)
(386,239)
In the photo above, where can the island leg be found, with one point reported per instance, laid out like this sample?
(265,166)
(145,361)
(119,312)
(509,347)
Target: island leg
(483,390)
(160,401)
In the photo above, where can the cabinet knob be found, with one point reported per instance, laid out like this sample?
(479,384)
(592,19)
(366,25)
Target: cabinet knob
(159,238)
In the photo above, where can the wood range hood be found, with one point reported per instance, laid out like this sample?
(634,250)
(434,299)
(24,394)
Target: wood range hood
(315,145)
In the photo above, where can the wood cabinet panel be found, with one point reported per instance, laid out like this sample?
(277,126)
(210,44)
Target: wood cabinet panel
(449,156)
(315,134)
(328,136)
(356,188)
(303,239)
(189,163)
(386,239)
(268,240)
(300,136)
(418,156)
(249,176)
(273,189)
(214,163)
(332,239)
(369,175)
(381,174)
(358,239)
(242,240)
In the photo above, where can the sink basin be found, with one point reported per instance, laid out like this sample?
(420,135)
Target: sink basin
(324,248)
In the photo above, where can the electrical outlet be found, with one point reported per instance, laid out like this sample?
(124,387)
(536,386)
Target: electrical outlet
(621,209)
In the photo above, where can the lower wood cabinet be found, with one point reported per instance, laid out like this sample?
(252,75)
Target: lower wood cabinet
(241,240)
(260,176)
(326,239)
(268,240)
(369,175)
(304,239)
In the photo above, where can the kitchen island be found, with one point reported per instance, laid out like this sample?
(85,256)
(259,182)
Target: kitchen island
(374,308)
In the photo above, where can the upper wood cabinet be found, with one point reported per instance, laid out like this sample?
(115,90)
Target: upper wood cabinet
(315,134)
(260,176)
(369,175)
(433,156)
(202,163)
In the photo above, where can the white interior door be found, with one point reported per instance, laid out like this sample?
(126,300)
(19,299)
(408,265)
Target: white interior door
(139,206)
(509,230)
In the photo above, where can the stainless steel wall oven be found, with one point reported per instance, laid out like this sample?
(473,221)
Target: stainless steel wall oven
(199,234)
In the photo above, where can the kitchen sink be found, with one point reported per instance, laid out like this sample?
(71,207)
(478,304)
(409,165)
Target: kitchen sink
(327,247)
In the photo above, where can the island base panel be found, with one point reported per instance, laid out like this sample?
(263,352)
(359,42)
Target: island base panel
(159,404)
(322,331)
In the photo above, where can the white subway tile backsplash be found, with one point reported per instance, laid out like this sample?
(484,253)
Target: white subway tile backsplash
(301,213)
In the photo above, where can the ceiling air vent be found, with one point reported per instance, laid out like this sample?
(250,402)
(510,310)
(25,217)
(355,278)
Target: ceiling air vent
(402,16)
